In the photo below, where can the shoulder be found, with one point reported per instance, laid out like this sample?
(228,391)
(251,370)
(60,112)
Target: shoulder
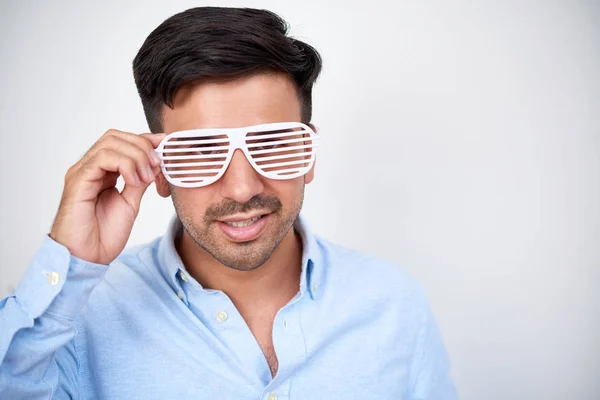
(130,277)
(137,258)
(369,274)
(133,263)
(126,297)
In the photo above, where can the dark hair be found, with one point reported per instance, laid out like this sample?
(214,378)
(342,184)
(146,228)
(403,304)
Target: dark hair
(219,43)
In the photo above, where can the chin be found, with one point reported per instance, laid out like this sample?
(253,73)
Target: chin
(244,256)
(244,263)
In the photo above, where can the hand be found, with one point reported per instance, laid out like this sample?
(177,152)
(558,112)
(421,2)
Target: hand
(94,220)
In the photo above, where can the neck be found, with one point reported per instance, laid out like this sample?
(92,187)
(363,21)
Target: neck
(273,284)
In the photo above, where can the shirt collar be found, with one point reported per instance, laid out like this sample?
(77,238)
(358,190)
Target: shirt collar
(312,266)
(311,278)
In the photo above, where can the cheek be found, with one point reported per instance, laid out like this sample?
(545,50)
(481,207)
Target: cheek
(289,192)
(191,202)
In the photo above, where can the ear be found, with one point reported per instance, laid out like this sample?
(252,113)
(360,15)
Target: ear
(162,185)
(310,175)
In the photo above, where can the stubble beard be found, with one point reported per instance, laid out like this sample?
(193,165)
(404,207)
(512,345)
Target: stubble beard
(245,256)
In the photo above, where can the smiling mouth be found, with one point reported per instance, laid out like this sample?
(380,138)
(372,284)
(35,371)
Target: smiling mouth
(243,223)
(244,228)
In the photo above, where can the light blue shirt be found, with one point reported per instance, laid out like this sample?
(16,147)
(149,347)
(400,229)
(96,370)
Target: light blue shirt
(358,328)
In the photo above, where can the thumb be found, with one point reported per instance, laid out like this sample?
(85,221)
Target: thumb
(133,196)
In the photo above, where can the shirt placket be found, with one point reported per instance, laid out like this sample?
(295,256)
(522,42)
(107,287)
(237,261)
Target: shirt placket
(290,347)
(218,313)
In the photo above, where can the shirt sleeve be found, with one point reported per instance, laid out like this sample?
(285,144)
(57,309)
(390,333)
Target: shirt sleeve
(38,356)
(430,369)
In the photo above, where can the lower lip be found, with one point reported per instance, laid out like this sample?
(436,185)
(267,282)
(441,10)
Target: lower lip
(244,233)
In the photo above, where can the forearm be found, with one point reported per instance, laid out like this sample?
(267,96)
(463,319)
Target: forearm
(37,322)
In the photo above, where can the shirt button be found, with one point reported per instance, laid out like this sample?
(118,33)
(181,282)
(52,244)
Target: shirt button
(221,316)
(272,396)
(53,278)
(183,276)
(180,295)
(315,286)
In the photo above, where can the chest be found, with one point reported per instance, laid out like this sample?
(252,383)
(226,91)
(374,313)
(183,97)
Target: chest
(262,330)
(180,357)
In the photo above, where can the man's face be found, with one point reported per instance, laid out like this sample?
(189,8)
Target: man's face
(215,216)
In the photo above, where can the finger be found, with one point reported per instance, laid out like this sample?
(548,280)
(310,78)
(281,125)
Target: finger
(105,161)
(109,181)
(147,141)
(133,196)
(137,153)
(154,138)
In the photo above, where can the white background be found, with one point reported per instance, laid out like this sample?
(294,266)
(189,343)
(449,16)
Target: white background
(461,140)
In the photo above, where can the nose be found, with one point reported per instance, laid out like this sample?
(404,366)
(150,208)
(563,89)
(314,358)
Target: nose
(240,182)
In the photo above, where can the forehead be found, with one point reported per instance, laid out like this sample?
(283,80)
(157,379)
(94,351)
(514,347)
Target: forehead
(252,100)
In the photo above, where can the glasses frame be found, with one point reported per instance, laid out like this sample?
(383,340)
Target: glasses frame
(237,140)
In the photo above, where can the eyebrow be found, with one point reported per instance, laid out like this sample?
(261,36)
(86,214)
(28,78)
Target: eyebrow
(190,138)
(287,130)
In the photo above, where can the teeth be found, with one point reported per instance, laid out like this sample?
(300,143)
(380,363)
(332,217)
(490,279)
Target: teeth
(241,224)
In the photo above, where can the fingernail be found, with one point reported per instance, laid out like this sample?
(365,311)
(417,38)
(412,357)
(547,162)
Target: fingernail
(136,179)
(154,157)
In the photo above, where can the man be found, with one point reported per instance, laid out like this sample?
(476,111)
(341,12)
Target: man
(238,300)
